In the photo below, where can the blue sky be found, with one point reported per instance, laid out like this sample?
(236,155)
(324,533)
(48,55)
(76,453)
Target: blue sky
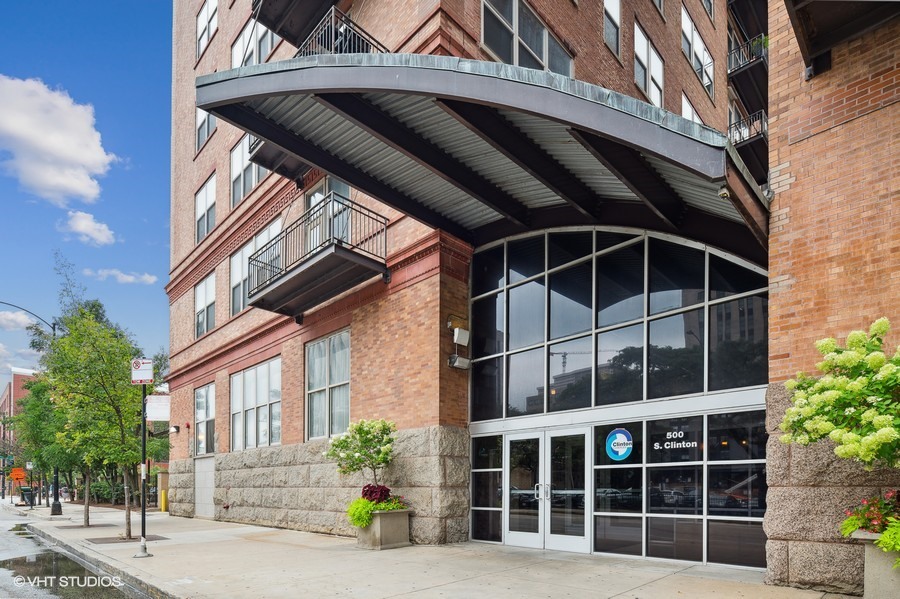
(84,163)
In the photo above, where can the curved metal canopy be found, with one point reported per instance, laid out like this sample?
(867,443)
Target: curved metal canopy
(484,150)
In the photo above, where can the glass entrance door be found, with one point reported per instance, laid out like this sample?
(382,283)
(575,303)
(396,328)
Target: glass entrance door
(546,490)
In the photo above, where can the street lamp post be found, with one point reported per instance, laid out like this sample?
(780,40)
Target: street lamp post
(56,508)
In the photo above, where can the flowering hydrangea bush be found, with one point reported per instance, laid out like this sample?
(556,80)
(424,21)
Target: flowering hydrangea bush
(855,403)
(367,446)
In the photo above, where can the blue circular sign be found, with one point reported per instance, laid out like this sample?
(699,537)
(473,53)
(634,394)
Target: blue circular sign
(619,444)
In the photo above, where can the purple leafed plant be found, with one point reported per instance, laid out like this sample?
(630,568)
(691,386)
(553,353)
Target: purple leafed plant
(376,493)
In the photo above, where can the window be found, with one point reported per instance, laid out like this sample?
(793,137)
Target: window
(659,5)
(515,35)
(487,487)
(611,21)
(569,320)
(205,304)
(205,203)
(253,45)
(687,110)
(708,5)
(333,217)
(256,406)
(206,124)
(695,50)
(648,67)
(207,23)
(328,385)
(240,271)
(244,174)
(205,419)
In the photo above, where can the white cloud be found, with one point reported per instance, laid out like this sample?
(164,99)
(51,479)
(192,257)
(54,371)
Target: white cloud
(87,229)
(4,354)
(119,276)
(14,321)
(56,149)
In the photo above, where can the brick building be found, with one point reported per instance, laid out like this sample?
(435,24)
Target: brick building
(12,394)
(582,187)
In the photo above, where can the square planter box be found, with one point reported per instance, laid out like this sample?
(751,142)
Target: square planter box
(881,579)
(388,530)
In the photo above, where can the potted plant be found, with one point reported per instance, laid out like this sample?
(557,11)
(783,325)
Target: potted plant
(856,404)
(382,518)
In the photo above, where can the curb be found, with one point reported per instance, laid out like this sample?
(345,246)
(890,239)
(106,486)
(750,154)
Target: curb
(133,586)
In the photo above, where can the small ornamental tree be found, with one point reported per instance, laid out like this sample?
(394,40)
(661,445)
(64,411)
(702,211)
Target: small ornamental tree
(368,447)
(855,403)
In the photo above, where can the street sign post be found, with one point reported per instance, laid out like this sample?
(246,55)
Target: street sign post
(142,374)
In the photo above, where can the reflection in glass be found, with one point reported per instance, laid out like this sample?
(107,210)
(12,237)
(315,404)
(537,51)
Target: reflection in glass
(738,490)
(487,326)
(524,474)
(487,389)
(675,490)
(487,452)
(676,276)
(738,343)
(607,240)
(727,278)
(486,525)
(567,485)
(618,490)
(603,449)
(620,365)
(618,534)
(620,285)
(675,538)
(568,247)
(487,271)
(570,375)
(525,383)
(526,314)
(737,543)
(526,258)
(737,436)
(675,355)
(570,301)
(675,440)
(487,489)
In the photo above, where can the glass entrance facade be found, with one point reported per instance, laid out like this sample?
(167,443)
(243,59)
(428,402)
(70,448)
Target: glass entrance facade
(658,346)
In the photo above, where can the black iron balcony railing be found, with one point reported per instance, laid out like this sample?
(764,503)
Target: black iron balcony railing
(335,220)
(337,34)
(755,49)
(755,125)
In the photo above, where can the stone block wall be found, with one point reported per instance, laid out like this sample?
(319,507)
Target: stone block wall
(296,487)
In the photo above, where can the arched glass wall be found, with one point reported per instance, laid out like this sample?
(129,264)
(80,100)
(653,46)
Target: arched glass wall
(575,319)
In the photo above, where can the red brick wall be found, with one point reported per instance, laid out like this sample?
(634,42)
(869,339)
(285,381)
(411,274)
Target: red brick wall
(835,221)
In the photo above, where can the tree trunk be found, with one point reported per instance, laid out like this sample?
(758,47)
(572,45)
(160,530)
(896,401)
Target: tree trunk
(47,483)
(87,497)
(127,479)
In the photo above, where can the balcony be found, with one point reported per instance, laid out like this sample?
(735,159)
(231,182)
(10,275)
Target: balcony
(748,72)
(750,137)
(336,33)
(752,15)
(334,246)
(273,158)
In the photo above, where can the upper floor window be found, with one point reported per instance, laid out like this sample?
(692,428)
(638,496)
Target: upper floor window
(708,5)
(688,111)
(696,52)
(658,4)
(648,67)
(205,304)
(205,419)
(240,272)
(256,406)
(205,208)
(253,45)
(611,24)
(206,124)
(515,35)
(207,23)
(328,385)
(244,174)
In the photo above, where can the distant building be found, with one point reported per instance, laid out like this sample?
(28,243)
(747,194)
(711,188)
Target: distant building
(13,393)
(582,186)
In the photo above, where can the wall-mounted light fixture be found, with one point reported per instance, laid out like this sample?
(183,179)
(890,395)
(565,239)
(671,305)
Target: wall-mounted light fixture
(174,429)
(459,362)
(460,337)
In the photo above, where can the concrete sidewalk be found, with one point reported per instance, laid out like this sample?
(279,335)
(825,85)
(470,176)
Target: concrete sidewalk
(202,558)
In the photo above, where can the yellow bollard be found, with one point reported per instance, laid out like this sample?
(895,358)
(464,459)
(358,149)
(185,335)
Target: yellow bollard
(163,501)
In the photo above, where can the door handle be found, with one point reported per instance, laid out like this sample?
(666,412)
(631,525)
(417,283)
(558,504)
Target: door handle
(548,491)
(537,491)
